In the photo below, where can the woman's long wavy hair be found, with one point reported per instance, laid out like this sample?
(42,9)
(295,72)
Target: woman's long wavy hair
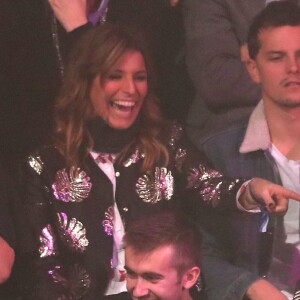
(96,53)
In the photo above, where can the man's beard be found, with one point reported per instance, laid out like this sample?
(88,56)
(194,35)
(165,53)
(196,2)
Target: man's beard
(289,103)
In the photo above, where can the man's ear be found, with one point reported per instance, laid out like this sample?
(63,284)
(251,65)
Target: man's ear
(253,70)
(190,277)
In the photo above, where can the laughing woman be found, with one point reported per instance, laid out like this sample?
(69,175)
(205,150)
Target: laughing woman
(113,159)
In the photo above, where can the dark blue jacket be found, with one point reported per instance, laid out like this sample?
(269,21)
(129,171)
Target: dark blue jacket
(236,254)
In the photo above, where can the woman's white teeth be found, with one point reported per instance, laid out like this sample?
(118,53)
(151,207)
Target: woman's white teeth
(123,105)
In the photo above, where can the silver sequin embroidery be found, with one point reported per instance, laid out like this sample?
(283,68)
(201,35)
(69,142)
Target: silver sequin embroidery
(108,223)
(36,163)
(180,156)
(204,180)
(176,134)
(73,188)
(47,242)
(72,233)
(153,190)
(134,158)
(75,280)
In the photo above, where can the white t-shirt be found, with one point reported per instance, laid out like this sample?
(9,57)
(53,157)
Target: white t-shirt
(285,267)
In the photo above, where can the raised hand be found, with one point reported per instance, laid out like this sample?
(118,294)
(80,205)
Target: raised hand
(174,2)
(71,14)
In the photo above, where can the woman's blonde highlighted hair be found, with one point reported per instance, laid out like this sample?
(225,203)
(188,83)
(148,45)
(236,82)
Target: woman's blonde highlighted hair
(95,54)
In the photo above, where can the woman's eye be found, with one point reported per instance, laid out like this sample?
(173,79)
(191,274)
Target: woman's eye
(114,77)
(141,78)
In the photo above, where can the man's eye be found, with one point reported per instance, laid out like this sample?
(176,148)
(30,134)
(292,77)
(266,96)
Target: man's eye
(130,274)
(275,58)
(152,279)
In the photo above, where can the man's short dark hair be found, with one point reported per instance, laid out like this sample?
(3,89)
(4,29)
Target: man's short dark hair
(167,229)
(275,14)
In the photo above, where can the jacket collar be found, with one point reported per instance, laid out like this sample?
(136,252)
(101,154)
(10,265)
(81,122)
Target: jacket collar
(257,135)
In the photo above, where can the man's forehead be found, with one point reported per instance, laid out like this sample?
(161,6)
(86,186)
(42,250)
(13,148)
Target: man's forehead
(162,255)
(280,31)
(280,38)
(143,273)
(164,250)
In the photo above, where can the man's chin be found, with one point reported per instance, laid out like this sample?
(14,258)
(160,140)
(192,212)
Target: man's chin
(290,103)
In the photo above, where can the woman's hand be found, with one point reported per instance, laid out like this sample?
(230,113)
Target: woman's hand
(262,289)
(7,255)
(263,192)
(71,14)
(174,2)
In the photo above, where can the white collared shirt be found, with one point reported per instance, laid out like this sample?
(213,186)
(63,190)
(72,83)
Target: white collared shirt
(118,257)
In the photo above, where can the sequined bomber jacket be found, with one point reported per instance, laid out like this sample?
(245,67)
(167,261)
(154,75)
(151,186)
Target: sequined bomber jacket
(69,214)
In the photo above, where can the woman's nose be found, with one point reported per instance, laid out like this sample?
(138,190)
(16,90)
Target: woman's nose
(129,86)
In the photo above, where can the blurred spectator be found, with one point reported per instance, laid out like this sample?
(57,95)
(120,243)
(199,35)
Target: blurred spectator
(7,234)
(216,33)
